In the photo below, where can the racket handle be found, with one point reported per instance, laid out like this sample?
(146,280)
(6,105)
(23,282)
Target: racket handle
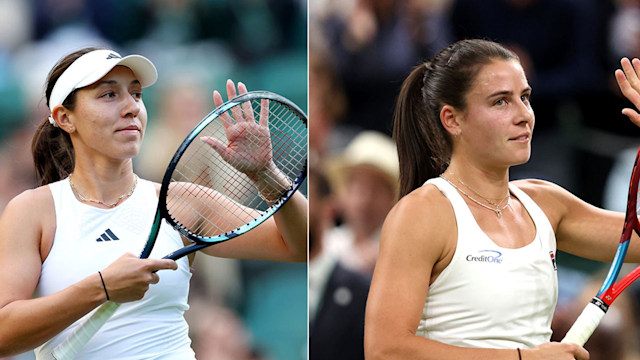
(68,349)
(586,323)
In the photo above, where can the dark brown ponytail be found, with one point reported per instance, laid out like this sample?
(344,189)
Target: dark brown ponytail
(424,146)
(53,154)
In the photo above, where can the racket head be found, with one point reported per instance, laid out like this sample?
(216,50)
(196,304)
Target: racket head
(199,186)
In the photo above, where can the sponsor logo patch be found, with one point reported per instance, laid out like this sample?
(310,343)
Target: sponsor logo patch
(486,256)
(107,235)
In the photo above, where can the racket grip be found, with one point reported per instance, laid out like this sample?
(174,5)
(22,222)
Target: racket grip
(69,348)
(586,323)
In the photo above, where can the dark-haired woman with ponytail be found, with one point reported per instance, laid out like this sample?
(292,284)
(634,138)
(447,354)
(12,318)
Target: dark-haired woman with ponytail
(467,259)
(54,271)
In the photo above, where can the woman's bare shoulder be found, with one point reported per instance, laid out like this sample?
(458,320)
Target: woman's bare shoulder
(38,200)
(425,212)
(542,190)
(29,216)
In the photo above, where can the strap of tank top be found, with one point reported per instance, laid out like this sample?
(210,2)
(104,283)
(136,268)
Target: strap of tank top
(543,226)
(460,207)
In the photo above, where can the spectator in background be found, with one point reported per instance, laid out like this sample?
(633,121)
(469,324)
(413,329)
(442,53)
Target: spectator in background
(625,30)
(365,177)
(17,173)
(217,333)
(182,104)
(623,41)
(337,296)
(373,43)
(327,105)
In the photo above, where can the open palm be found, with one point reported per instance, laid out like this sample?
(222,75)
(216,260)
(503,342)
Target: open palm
(248,147)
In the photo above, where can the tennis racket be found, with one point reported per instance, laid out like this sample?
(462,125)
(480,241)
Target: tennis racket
(206,197)
(595,310)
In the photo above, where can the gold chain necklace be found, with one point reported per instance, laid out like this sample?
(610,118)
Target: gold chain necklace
(497,205)
(495,209)
(84,199)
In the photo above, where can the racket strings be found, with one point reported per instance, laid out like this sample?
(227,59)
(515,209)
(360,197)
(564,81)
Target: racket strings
(210,197)
(199,217)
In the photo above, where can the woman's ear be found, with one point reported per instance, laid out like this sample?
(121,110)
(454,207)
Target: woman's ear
(61,116)
(449,117)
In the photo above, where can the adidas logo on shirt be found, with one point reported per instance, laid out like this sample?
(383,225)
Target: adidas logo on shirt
(107,235)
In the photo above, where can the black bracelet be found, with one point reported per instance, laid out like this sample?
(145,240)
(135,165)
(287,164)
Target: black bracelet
(103,285)
(519,354)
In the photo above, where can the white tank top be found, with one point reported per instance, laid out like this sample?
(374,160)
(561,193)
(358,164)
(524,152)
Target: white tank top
(490,296)
(88,239)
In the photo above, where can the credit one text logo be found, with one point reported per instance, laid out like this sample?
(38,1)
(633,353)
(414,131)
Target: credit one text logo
(486,256)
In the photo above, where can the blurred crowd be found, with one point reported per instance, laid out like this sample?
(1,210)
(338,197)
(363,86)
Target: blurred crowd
(360,52)
(239,309)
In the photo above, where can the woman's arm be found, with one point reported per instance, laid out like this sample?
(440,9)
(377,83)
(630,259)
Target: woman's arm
(26,323)
(581,229)
(418,240)
(283,237)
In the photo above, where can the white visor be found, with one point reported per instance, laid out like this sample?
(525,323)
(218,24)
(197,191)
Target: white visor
(91,67)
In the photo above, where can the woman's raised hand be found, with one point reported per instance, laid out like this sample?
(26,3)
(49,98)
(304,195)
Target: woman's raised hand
(246,138)
(629,82)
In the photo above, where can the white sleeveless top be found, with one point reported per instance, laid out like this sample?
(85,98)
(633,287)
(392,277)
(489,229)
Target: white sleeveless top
(490,296)
(88,239)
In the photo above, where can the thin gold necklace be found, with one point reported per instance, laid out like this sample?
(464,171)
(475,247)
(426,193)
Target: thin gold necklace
(84,199)
(495,209)
(497,205)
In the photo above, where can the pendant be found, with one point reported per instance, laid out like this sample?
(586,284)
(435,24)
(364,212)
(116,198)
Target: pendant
(499,213)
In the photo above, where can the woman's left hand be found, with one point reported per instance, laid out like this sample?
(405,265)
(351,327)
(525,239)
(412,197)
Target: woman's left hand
(629,82)
(246,137)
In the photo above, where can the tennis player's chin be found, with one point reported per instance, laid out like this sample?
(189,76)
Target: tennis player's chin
(128,149)
(521,158)
(521,153)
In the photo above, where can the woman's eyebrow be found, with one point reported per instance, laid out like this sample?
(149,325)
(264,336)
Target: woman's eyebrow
(501,92)
(508,92)
(112,82)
